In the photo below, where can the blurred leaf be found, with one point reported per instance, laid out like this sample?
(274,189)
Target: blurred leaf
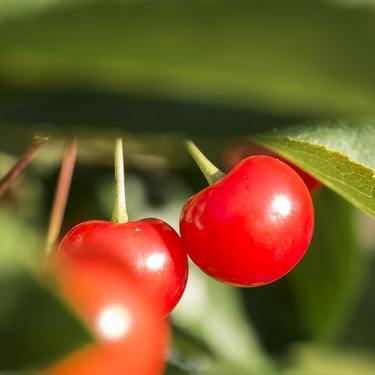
(12,8)
(18,373)
(326,282)
(275,315)
(212,311)
(174,370)
(188,345)
(83,111)
(177,367)
(18,245)
(309,360)
(316,57)
(36,328)
(340,155)
(228,368)
(359,332)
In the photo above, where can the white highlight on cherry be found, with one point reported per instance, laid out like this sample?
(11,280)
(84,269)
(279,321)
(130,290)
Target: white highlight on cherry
(114,322)
(281,206)
(155,261)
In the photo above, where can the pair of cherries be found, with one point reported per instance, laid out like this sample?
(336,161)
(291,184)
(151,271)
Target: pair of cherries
(249,228)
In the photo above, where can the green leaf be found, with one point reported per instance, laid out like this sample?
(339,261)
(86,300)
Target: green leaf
(104,111)
(18,373)
(340,155)
(323,361)
(325,284)
(227,332)
(36,327)
(294,55)
(13,8)
(19,243)
(188,345)
(177,367)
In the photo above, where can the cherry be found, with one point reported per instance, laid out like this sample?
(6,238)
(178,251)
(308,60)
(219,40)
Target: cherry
(148,249)
(251,226)
(130,337)
(237,151)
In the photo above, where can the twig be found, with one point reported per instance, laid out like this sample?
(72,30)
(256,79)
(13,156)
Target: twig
(23,161)
(61,194)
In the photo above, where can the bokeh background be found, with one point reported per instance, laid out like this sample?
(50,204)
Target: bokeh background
(218,71)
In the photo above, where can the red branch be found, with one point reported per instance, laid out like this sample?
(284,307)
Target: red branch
(23,161)
(61,194)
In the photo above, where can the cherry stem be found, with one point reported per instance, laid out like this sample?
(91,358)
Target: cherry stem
(210,171)
(120,214)
(61,194)
(23,161)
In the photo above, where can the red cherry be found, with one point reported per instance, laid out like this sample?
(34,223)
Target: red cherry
(131,338)
(251,227)
(237,151)
(148,249)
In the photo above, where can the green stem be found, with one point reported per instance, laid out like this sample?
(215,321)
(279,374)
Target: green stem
(210,171)
(120,214)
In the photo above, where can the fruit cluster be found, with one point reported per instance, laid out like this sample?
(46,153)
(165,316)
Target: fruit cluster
(248,228)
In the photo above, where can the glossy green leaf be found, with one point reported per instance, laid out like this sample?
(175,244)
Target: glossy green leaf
(313,57)
(340,155)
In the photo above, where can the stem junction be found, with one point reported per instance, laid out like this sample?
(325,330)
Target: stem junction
(210,171)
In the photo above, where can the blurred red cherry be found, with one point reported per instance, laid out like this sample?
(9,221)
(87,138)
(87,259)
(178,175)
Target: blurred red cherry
(130,337)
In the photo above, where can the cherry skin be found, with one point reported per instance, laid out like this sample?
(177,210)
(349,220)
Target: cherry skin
(251,227)
(237,151)
(148,249)
(130,337)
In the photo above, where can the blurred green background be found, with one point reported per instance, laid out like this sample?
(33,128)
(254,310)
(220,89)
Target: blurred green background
(217,71)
